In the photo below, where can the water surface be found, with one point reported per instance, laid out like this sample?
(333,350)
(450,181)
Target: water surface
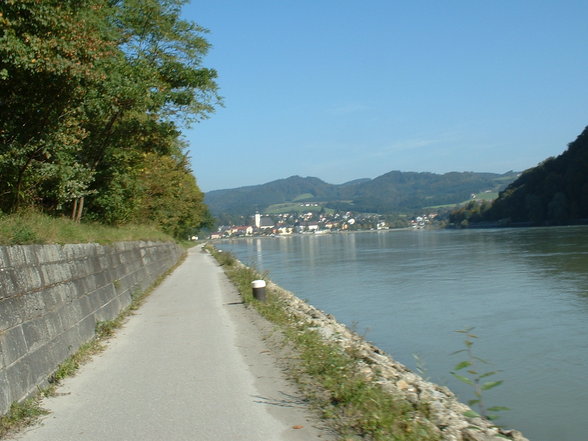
(524,290)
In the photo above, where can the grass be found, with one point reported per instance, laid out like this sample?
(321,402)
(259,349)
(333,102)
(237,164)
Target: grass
(21,415)
(25,413)
(484,196)
(295,207)
(303,197)
(36,228)
(330,376)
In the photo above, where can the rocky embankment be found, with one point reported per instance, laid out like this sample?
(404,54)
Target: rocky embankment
(446,412)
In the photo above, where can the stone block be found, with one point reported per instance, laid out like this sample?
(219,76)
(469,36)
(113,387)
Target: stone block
(31,253)
(51,297)
(5,395)
(54,324)
(78,269)
(50,253)
(102,279)
(109,311)
(20,379)
(33,305)
(13,345)
(78,287)
(3,343)
(4,262)
(40,366)
(85,306)
(11,283)
(93,282)
(100,297)
(59,349)
(67,316)
(86,329)
(68,342)
(71,252)
(7,287)
(31,278)
(15,256)
(118,272)
(36,333)
(12,312)
(56,272)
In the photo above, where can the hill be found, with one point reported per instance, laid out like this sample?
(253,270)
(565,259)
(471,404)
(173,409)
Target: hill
(555,192)
(392,192)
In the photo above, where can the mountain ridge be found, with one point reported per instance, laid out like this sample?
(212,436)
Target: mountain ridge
(391,192)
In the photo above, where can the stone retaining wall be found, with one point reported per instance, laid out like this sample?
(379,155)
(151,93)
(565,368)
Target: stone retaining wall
(446,412)
(52,296)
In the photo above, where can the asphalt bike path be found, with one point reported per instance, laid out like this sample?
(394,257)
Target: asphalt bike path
(191,364)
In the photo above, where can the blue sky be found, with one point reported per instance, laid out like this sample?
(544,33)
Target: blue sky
(342,90)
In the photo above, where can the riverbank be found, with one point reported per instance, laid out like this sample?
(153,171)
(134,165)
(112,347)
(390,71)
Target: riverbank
(368,394)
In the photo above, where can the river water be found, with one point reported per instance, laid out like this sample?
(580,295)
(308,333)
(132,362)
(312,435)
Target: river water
(524,290)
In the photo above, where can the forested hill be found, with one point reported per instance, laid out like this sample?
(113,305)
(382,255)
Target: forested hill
(554,192)
(392,192)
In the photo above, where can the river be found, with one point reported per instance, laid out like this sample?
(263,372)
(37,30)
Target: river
(525,291)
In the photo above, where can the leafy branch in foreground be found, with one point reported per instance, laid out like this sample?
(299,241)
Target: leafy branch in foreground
(468,372)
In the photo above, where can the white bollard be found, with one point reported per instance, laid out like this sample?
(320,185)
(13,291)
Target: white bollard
(258,288)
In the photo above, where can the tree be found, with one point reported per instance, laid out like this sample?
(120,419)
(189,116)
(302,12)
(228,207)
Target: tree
(169,196)
(47,53)
(88,90)
(554,192)
(158,87)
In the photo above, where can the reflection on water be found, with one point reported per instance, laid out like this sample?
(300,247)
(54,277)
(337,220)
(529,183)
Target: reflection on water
(525,291)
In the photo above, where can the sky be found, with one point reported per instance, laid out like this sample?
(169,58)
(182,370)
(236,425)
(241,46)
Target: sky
(342,90)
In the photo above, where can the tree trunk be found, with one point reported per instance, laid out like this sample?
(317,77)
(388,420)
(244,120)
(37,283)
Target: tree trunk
(80,210)
(74,211)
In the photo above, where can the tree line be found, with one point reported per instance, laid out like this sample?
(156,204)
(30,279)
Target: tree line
(555,192)
(93,97)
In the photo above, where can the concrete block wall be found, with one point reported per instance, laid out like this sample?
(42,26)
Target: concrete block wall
(52,296)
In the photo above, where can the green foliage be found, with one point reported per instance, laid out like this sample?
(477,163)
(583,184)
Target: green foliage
(169,196)
(360,407)
(468,371)
(472,212)
(224,259)
(20,415)
(87,88)
(38,228)
(555,192)
(46,49)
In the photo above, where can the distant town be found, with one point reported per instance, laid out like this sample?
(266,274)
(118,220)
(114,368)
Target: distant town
(319,222)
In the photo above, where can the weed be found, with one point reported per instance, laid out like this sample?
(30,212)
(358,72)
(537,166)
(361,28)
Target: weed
(21,415)
(71,365)
(107,328)
(23,234)
(475,378)
(223,258)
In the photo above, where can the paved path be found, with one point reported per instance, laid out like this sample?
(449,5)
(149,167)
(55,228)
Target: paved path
(190,365)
